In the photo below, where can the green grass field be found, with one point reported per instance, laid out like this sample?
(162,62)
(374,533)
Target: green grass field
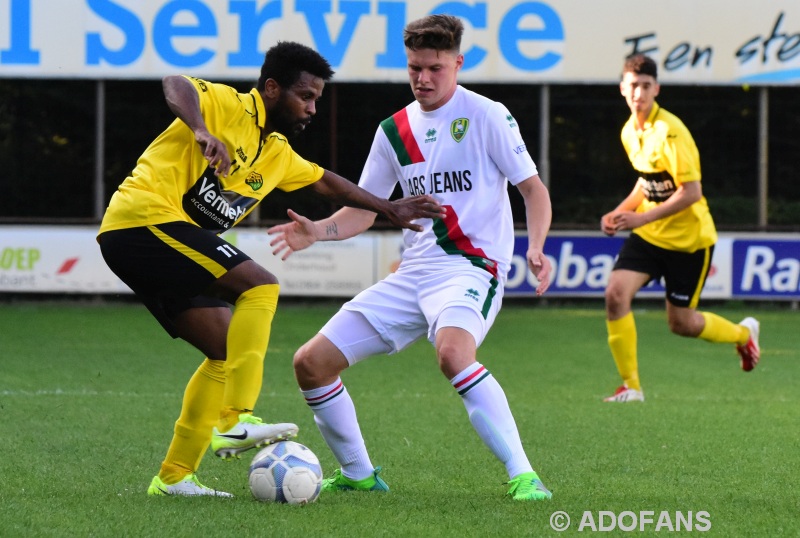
(89,394)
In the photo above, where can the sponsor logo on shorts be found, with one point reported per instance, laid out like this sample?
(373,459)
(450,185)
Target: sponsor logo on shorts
(679,297)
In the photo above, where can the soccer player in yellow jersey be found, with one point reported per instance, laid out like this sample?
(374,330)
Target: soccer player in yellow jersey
(672,233)
(204,174)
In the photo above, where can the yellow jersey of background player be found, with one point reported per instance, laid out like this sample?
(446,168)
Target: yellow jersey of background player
(665,156)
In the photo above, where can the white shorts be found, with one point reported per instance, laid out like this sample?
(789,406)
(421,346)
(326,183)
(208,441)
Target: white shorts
(415,301)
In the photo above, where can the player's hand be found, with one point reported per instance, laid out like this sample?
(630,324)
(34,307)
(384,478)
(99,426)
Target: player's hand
(292,236)
(215,152)
(608,224)
(541,269)
(628,220)
(401,212)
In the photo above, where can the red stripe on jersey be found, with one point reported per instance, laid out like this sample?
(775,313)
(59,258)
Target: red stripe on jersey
(462,243)
(404,130)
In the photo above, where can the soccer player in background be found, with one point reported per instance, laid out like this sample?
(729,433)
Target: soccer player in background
(204,174)
(463,149)
(672,233)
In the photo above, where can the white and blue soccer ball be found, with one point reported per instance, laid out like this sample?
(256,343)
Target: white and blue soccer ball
(286,472)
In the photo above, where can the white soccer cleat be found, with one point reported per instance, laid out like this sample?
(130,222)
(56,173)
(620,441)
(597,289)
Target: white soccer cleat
(624,394)
(249,432)
(750,353)
(189,486)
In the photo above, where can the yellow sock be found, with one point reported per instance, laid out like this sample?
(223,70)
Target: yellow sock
(199,412)
(248,338)
(622,341)
(719,329)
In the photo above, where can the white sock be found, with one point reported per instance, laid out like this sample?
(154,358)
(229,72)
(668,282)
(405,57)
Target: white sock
(491,417)
(336,419)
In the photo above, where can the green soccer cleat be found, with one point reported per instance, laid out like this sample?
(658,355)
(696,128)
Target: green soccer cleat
(189,486)
(528,487)
(249,432)
(339,482)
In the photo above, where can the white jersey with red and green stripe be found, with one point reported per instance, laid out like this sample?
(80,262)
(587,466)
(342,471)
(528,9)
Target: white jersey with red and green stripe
(463,154)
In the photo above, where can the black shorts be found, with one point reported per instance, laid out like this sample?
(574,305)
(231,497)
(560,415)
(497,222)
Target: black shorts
(684,273)
(170,266)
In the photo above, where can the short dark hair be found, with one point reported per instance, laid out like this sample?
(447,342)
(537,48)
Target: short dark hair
(437,32)
(641,65)
(285,62)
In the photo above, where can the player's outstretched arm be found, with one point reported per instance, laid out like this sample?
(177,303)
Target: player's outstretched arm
(348,222)
(302,232)
(400,213)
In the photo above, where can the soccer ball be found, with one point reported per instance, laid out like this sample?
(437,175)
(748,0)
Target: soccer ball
(286,472)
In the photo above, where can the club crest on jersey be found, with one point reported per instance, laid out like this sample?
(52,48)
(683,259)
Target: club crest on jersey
(255,181)
(458,129)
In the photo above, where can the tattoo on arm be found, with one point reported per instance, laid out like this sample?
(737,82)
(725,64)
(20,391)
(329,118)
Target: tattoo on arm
(331,230)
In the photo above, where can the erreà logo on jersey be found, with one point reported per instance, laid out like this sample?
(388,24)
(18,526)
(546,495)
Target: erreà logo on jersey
(255,180)
(458,129)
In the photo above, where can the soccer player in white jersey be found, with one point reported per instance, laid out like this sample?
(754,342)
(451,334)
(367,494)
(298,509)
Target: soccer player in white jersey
(462,149)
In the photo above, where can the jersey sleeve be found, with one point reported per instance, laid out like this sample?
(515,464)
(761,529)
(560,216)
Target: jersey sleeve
(218,99)
(505,145)
(381,171)
(681,155)
(298,172)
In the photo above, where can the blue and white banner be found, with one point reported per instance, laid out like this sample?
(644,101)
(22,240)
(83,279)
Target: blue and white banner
(726,42)
(765,266)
